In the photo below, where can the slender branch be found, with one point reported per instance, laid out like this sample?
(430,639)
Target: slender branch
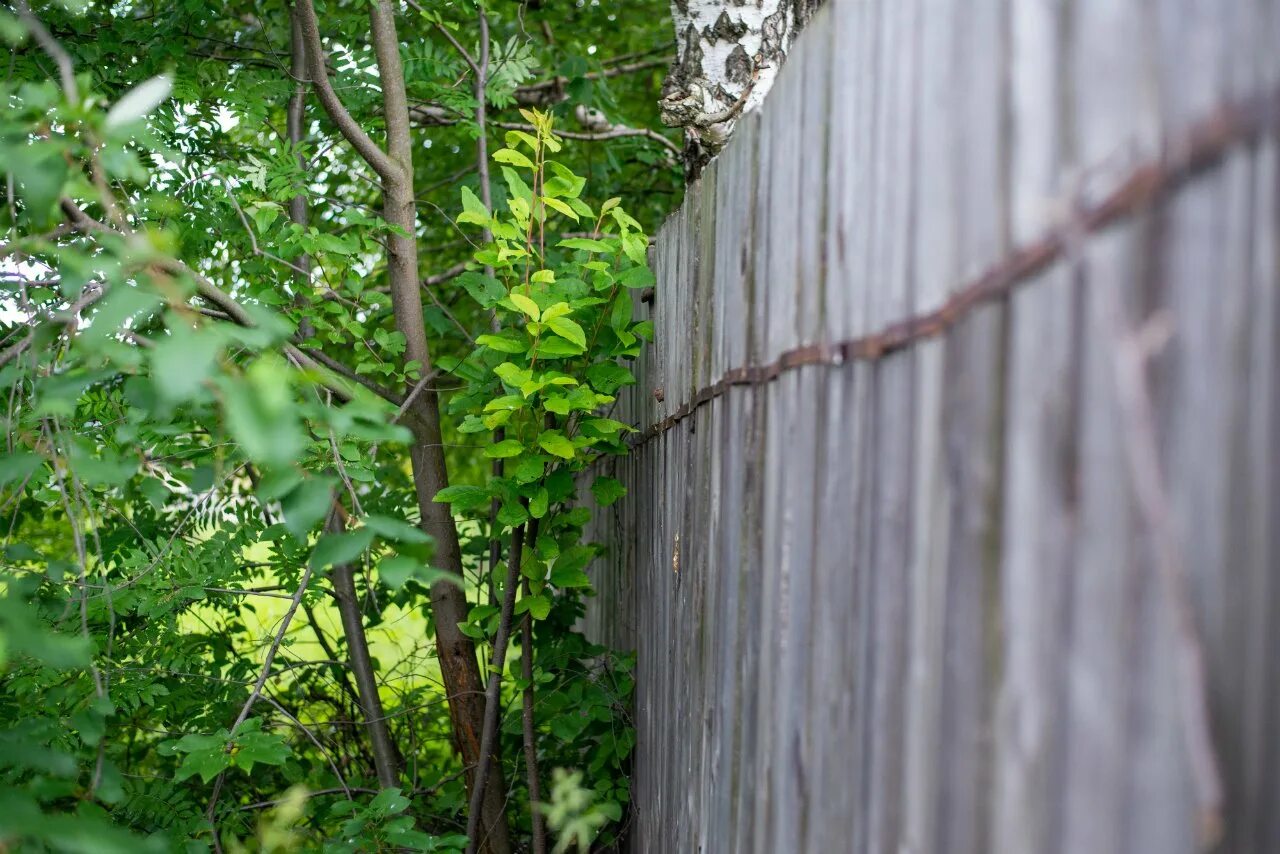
(546,92)
(342,370)
(311,736)
(295,118)
(1152,496)
(413,394)
(382,163)
(616,132)
(256,693)
(444,308)
(445,275)
(493,692)
(66,71)
(262,805)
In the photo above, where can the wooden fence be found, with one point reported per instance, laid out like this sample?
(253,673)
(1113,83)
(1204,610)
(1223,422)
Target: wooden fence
(956,523)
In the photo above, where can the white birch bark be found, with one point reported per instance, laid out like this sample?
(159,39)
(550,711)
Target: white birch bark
(727,55)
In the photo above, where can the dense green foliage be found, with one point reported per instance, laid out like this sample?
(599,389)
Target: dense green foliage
(208,402)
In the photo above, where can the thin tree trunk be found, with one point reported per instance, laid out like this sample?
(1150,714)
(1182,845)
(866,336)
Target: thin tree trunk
(385,756)
(456,652)
(385,759)
(294,118)
(530,733)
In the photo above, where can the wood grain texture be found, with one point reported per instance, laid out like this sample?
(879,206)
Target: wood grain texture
(913,603)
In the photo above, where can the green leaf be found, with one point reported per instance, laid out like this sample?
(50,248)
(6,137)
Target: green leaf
(182,360)
(539,606)
(473,210)
(513,157)
(637,277)
(389,528)
(525,305)
(518,188)
(340,548)
(512,514)
(258,747)
(607,490)
(559,309)
(486,290)
(505,449)
(504,343)
(539,503)
(463,497)
(389,802)
(568,569)
(507,401)
(261,413)
(561,207)
(554,442)
(514,136)
(620,314)
(307,504)
(568,330)
(608,377)
(512,375)
(18,465)
(606,426)
(557,348)
(529,469)
(208,763)
(41,178)
(397,570)
(586,243)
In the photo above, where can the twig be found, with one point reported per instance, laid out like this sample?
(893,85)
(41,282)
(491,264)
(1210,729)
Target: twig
(343,371)
(333,766)
(1130,365)
(417,389)
(617,132)
(533,93)
(445,275)
(66,70)
(256,693)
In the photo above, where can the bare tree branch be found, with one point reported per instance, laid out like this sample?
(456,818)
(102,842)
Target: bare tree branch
(546,92)
(615,132)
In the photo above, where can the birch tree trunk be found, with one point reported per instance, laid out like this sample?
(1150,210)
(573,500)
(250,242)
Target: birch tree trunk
(727,55)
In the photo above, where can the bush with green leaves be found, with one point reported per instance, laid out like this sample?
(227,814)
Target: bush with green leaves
(221,591)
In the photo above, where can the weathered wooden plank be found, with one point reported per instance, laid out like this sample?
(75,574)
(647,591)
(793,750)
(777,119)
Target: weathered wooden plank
(1257,825)
(935,269)
(1038,532)
(972,634)
(1104,576)
(849,145)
